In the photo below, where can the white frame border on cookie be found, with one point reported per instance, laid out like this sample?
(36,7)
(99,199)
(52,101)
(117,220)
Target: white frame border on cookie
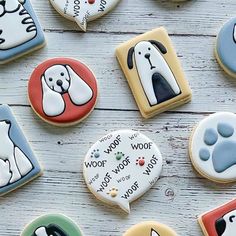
(206,168)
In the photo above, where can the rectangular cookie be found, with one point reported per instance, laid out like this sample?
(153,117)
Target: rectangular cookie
(154,73)
(221,221)
(18,164)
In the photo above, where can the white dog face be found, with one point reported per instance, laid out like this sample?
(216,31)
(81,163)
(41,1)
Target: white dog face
(60,79)
(226,226)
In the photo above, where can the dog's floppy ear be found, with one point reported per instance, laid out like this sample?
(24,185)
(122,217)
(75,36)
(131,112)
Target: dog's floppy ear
(220,226)
(79,91)
(55,230)
(53,103)
(130,58)
(154,233)
(159,45)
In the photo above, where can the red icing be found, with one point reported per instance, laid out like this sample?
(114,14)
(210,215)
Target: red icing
(72,112)
(91,1)
(210,218)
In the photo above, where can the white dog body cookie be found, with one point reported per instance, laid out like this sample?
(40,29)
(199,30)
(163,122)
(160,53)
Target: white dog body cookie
(83,11)
(121,167)
(213,147)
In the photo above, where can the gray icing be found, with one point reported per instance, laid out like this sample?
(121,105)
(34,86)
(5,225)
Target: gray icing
(224,152)
(226,45)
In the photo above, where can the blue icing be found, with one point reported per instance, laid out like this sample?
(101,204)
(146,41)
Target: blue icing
(204,154)
(225,130)
(226,46)
(224,156)
(19,140)
(34,43)
(210,137)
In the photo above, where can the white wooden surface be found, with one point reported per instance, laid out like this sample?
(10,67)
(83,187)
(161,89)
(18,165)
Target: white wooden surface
(181,194)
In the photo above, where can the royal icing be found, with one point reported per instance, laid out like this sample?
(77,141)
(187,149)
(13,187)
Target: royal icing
(221,221)
(62,91)
(213,147)
(83,11)
(20,31)
(18,164)
(153,72)
(121,167)
(52,225)
(150,228)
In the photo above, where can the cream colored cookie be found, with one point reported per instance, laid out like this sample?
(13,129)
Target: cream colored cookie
(153,72)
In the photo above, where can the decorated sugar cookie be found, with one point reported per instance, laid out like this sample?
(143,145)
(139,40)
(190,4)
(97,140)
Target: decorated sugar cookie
(153,72)
(221,221)
(213,147)
(83,11)
(18,164)
(226,47)
(52,225)
(121,167)
(150,228)
(20,31)
(62,91)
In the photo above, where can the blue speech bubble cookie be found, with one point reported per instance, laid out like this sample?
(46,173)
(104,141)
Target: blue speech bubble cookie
(18,165)
(20,31)
(213,147)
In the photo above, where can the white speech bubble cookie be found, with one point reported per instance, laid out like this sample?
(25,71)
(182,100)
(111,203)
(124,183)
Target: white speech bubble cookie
(121,167)
(83,11)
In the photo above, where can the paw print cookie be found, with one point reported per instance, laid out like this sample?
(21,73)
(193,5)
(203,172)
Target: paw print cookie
(62,91)
(50,225)
(150,228)
(83,11)
(128,165)
(226,47)
(213,147)
(20,31)
(18,165)
(220,221)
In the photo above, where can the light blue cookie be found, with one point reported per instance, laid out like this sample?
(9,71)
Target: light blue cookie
(226,47)
(18,165)
(20,31)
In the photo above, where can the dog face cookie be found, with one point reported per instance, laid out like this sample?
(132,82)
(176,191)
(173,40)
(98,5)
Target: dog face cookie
(52,225)
(62,91)
(18,164)
(220,221)
(226,47)
(83,11)
(150,228)
(23,34)
(213,147)
(121,167)
(154,73)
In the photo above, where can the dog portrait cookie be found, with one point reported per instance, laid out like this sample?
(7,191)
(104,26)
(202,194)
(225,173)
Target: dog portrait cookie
(150,228)
(226,47)
(221,221)
(83,11)
(20,31)
(52,225)
(62,91)
(18,165)
(153,72)
(121,167)
(213,146)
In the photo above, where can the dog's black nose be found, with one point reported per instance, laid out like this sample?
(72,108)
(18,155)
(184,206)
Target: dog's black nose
(147,55)
(59,82)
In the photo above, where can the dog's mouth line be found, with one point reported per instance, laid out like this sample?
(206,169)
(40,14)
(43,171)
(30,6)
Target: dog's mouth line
(149,60)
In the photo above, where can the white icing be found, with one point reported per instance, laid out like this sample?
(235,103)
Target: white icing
(5,174)
(230,228)
(19,163)
(154,233)
(121,181)
(234,33)
(70,82)
(16,24)
(146,72)
(41,232)
(197,142)
(83,11)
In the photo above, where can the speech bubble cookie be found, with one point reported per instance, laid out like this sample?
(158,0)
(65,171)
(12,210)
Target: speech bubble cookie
(83,11)
(121,167)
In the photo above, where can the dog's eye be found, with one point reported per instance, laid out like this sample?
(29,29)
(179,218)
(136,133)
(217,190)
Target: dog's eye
(149,49)
(50,79)
(62,74)
(139,53)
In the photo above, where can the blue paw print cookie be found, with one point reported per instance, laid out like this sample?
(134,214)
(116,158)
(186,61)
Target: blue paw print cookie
(213,147)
